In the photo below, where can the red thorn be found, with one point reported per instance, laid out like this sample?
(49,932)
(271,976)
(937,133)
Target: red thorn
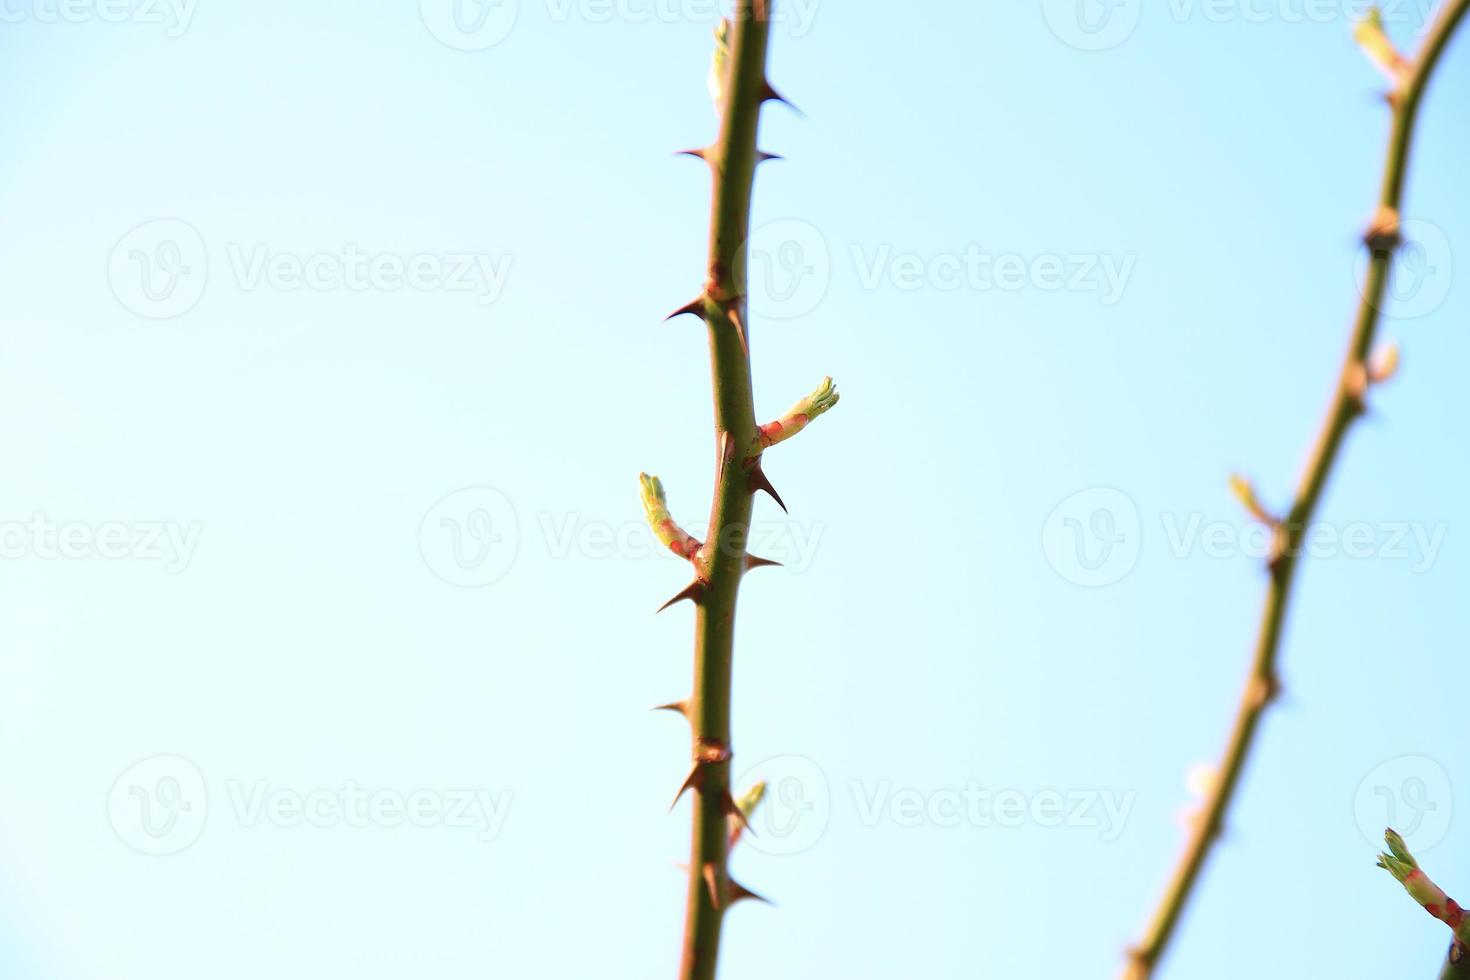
(693,592)
(696,308)
(739,893)
(712,882)
(677,707)
(695,780)
(759,481)
(753,562)
(732,809)
(769,94)
(701,153)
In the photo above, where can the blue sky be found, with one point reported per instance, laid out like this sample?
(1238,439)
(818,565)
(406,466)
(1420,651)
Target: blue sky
(332,351)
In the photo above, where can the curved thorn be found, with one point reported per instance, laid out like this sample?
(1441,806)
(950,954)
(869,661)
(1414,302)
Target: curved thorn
(693,592)
(702,153)
(677,707)
(732,809)
(739,893)
(759,481)
(692,781)
(769,94)
(696,308)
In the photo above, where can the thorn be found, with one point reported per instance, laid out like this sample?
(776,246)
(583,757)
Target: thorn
(769,94)
(753,562)
(739,893)
(694,780)
(712,882)
(677,707)
(694,591)
(761,156)
(759,481)
(732,809)
(696,308)
(702,153)
(734,314)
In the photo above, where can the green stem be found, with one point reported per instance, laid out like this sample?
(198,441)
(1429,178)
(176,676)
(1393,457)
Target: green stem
(1347,405)
(733,159)
(1456,963)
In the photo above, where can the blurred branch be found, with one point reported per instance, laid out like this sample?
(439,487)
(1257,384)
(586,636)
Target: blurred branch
(1383,239)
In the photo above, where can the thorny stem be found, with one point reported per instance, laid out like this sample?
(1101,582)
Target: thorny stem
(733,159)
(1382,239)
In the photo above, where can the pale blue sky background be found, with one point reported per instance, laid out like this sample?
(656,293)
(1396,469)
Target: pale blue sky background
(931,632)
